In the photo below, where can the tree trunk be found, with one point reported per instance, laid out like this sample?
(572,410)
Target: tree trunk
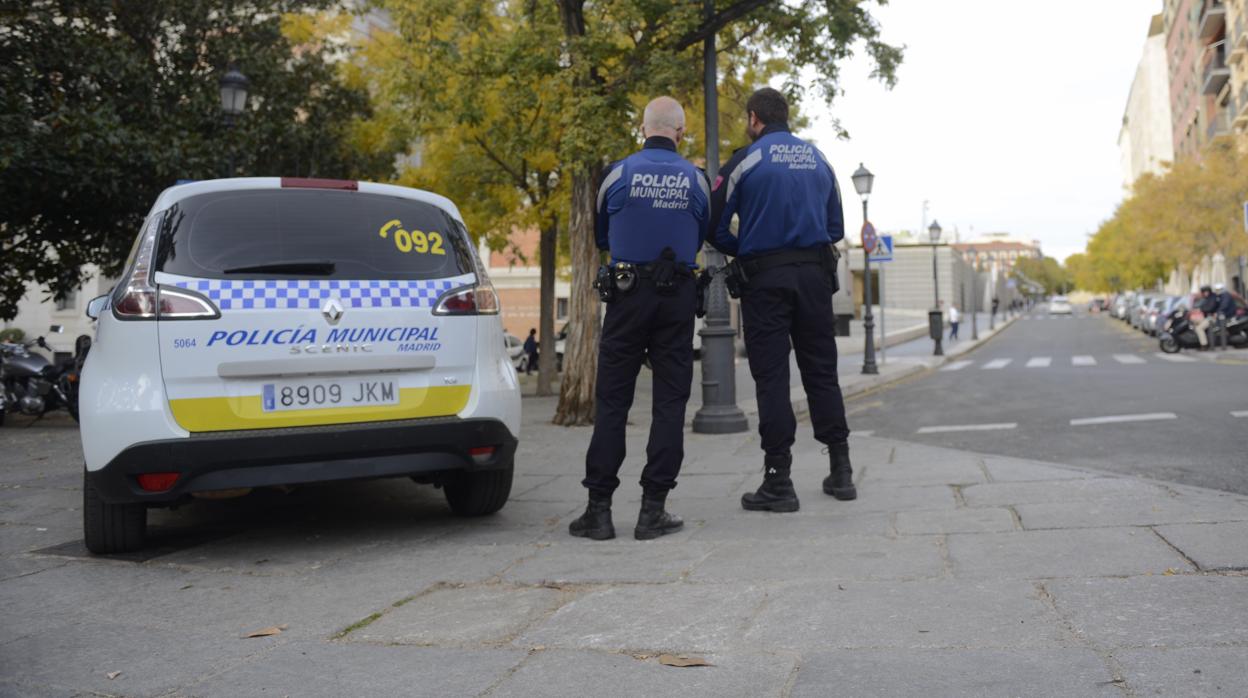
(580,359)
(546,318)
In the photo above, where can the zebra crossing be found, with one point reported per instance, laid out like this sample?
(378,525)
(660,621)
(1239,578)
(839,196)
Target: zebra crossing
(1074,361)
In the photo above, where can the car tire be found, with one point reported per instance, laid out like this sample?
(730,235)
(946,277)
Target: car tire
(477,493)
(111,528)
(1,414)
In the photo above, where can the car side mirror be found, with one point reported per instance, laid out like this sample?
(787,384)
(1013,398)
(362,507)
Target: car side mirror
(97,306)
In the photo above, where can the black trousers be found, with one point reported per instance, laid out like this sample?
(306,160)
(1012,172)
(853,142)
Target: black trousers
(640,324)
(793,302)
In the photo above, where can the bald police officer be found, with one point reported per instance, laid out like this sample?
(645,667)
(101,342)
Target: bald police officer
(785,196)
(652,214)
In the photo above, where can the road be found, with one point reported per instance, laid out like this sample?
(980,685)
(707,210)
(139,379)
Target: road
(1085,390)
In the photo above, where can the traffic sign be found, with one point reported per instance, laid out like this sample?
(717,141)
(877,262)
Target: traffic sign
(883,251)
(868,237)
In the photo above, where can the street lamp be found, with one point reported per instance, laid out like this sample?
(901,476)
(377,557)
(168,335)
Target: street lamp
(233,86)
(934,317)
(863,180)
(974,294)
(719,413)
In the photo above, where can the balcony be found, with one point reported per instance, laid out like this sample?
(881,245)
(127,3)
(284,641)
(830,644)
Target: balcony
(1217,73)
(1240,109)
(1239,41)
(1212,18)
(1219,123)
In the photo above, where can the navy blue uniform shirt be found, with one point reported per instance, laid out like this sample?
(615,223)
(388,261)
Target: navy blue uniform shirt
(784,193)
(650,200)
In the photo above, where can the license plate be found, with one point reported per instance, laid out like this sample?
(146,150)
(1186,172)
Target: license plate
(316,394)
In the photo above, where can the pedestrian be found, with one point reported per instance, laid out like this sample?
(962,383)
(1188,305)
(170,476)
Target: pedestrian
(652,214)
(785,196)
(1226,311)
(954,317)
(1208,307)
(530,351)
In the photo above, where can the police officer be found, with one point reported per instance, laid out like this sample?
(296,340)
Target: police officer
(652,214)
(785,196)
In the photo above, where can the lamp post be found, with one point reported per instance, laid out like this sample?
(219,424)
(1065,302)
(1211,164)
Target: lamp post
(933,232)
(233,87)
(974,294)
(863,180)
(719,413)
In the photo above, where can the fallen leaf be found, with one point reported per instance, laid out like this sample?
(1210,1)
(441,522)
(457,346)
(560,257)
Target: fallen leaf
(682,661)
(1170,572)
(112,675)
(266,632)
(188,586)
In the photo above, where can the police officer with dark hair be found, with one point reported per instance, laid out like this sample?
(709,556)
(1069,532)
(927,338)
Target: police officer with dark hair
(652,214)
(785,196)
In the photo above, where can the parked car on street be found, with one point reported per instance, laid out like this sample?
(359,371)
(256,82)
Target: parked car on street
(271,331)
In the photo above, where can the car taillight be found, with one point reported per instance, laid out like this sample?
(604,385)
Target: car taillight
(141,299)
(157,482)
(473,300)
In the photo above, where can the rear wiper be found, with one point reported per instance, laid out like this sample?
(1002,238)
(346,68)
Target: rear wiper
(311,268)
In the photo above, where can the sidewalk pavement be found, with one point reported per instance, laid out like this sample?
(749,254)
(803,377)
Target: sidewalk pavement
(952,574)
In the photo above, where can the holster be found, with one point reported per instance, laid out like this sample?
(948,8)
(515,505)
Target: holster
(831,260)
(704,282)
(604,283)
(662,272)
(735,278)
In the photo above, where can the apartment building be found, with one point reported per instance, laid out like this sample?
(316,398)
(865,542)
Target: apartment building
(1198,53)
(1146,140)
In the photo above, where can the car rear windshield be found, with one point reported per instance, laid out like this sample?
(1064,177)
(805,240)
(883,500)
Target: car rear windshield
(310,233)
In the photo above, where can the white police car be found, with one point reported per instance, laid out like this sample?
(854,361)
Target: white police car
(272,331)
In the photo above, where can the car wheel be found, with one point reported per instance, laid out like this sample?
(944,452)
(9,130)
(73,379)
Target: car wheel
(1169,345)
(1,414)
(111,528)
(477,493)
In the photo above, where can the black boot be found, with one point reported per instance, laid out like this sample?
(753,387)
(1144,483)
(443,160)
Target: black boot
(840,483)
(776,493)
(654,521)
(596,522)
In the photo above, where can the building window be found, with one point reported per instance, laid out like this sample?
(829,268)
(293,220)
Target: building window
(67,302)
(561,309)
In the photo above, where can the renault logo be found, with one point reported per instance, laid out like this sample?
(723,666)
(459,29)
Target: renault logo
(332,310)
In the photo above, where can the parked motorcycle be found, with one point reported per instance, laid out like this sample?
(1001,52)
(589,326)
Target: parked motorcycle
(30,384)
(1180,333)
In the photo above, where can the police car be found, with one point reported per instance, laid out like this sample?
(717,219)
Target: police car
(275,331)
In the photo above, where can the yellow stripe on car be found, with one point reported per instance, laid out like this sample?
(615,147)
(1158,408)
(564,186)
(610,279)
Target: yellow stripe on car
(247,412)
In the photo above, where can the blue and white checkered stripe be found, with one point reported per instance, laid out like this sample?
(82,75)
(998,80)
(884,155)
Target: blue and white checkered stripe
(302,294)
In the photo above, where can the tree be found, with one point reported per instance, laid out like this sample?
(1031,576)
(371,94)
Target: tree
(628,48)
(1191,211)
(1045,271)
(105,104)
(480,86)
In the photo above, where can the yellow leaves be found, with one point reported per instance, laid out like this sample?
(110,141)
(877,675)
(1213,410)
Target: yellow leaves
(302,28)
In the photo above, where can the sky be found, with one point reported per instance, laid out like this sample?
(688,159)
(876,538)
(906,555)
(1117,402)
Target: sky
(1005,117)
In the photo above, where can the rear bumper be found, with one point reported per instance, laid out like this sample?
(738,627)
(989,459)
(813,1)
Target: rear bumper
(260,458)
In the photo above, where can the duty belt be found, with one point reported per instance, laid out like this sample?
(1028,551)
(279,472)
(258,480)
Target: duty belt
(756,265)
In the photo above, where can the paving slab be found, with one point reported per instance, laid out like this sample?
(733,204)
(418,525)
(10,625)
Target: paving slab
(1128,512)
(814,615)
(1180,672)
(880,497)
(574,674)
(461,616)
(964,471)
(1016,470)
(1157,611)
(1213,546)
(846,557)
(964,673)
(1005,493)
(655,617)
(979,520)
(1093,552)
(337,669)
(620,561)
(805,525)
